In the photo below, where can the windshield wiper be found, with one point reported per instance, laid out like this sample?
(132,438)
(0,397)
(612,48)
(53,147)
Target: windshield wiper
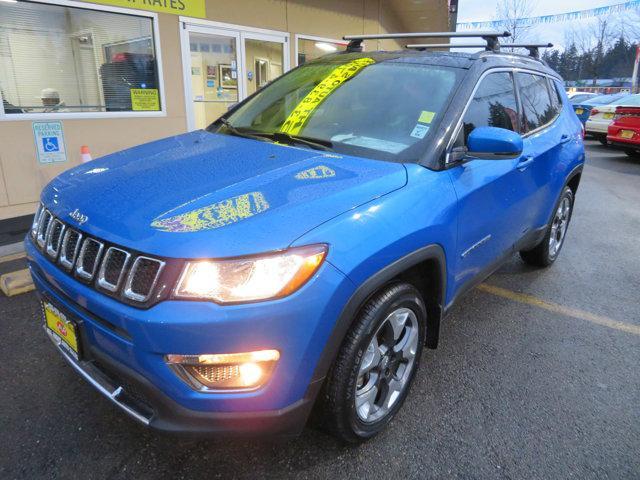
(237,132)
(282,137)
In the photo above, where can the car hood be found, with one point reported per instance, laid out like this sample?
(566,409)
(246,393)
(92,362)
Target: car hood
(209,195)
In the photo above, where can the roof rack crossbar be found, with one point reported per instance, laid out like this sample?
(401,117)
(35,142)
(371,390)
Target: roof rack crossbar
(534,48)
(489,36)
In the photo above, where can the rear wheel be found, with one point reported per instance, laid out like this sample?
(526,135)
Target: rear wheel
(375,366)
(602,139)
(546,252)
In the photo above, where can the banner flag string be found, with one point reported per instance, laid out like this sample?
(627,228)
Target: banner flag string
(561,17)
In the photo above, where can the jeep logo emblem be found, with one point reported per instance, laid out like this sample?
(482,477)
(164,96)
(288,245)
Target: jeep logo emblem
(79,217)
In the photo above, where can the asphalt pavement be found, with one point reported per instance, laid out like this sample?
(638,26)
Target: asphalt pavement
(542,385)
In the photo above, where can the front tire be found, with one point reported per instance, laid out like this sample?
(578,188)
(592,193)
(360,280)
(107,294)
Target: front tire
(546,252)
(376,364)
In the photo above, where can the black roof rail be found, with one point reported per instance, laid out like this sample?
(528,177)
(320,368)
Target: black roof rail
(424,46)
(534,48)
(489,36)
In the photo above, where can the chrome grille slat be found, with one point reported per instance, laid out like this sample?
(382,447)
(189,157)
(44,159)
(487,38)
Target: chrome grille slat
(36,220)
(43,228)
(118,265)
(54,237)
(70,244)
(142,266)
(106,268)
(88,254)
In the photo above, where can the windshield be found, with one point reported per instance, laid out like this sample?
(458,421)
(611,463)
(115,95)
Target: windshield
(631,100)
(356,105)
(581,97)
(606,99)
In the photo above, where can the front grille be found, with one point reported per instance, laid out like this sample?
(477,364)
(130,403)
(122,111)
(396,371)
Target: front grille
(113,270)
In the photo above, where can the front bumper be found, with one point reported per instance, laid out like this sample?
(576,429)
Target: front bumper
(124,347)
(143,402)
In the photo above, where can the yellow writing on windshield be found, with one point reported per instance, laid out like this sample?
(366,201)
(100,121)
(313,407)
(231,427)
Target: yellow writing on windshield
(301,113)
(216,215)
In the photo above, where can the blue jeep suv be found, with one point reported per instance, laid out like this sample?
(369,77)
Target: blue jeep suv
(299,253)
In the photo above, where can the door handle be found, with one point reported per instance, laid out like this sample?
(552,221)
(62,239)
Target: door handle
(525,162)
(565,138)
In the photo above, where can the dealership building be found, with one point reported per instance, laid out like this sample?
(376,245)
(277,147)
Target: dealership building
(111,74)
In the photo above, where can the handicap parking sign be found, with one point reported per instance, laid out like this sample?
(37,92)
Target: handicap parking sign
(49,138)
(50,144)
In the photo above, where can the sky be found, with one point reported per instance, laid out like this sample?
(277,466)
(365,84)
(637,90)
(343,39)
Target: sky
(482,10)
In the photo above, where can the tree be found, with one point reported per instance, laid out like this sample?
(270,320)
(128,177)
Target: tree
(511,15)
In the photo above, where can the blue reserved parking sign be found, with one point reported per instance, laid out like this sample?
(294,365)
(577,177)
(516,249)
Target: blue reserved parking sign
(49,140)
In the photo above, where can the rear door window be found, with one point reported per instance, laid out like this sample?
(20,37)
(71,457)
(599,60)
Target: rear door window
(493,105)
(537,107)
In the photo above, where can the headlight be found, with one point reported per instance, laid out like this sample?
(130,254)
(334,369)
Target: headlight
(249,279)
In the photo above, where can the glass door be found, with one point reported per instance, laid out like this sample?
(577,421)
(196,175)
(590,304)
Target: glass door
(266,57)
(213,73)
(222,66)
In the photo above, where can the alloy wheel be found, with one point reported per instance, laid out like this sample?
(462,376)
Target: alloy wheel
(559,226)
(387,365)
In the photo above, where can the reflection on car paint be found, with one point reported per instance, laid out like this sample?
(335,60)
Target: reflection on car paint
(298,117)
(316,173)
(217,215)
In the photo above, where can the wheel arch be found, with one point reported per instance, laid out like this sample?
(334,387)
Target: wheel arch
(425,268)
(573,180)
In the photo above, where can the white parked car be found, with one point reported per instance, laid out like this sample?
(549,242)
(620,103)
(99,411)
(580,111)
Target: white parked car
(602,115)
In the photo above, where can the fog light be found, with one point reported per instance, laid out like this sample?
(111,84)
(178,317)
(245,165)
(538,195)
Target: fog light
(225,371)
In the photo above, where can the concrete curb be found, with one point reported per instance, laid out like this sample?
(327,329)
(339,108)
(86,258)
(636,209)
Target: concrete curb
(12,249)
(15,283)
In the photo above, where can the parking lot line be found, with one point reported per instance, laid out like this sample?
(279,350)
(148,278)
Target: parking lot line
(561,309)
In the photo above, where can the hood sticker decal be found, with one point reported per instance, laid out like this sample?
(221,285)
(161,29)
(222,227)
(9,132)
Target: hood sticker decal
(316,173)
(217,215)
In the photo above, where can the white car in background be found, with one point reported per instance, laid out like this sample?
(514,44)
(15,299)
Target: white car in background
(602,115)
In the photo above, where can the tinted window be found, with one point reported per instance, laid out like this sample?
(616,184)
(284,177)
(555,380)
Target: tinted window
(537,109)
(493,105)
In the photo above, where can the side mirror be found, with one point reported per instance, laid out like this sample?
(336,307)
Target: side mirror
(492,143)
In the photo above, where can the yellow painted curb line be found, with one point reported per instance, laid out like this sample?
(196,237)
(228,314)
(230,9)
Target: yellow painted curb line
(560,309)
(15,283)
(13,256)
